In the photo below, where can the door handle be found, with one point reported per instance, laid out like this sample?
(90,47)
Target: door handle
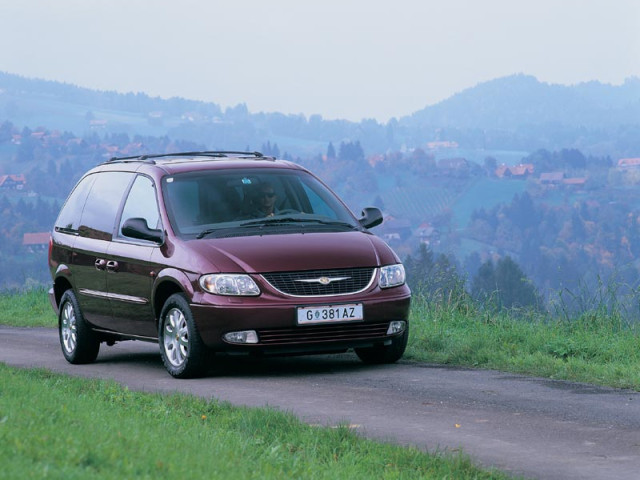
(100,263)
(112,266)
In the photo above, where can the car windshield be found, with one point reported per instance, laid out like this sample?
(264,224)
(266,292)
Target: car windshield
(233,202)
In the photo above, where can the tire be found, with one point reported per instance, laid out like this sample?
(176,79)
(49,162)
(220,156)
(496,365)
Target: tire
(79,343)
(183,353)
(385,353)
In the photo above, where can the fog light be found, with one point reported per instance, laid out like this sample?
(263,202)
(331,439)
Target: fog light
(246,336)
(396,327)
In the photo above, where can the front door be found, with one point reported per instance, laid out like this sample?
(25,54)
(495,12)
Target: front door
(130,273)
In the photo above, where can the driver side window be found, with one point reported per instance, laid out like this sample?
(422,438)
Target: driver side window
(141,203)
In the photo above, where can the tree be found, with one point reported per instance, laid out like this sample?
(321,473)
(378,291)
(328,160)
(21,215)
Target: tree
(331,151)
(504,286)
(490,165)
(6,129)
(436,278)
(350,151)
(573,158)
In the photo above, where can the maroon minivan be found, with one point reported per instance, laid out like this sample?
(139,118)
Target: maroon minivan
(209,252)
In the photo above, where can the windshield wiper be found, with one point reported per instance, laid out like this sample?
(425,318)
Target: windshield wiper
(288,220)
(261,222)
(206,232)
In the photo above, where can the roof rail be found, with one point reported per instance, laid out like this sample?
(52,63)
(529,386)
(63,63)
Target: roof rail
(206,153)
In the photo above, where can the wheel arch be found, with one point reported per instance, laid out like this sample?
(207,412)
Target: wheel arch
(168,283)
(61,284)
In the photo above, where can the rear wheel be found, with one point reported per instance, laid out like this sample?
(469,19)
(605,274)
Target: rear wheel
(79,343)
(183,353)
(385,353)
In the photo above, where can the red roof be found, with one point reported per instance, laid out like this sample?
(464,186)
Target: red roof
(575,181)
(516,170)
(14,178)
(629,162)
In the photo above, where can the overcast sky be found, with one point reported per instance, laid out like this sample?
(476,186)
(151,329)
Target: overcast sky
(349,59)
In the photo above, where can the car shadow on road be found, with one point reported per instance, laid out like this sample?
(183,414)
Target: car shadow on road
(224,365)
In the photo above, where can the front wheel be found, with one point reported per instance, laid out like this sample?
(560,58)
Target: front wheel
(183,353)
(79,343)
(385,353)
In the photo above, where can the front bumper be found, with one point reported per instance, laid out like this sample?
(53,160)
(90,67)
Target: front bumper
(278,331)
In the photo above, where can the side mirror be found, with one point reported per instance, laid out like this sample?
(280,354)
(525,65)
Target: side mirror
(371,217)
(138,228)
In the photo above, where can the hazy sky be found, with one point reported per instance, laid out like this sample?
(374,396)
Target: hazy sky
(340,58)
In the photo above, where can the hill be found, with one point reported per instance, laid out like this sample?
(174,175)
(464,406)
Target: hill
(511,113)
(513,102)
(520,112)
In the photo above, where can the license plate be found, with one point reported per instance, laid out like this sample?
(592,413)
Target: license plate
(329,314)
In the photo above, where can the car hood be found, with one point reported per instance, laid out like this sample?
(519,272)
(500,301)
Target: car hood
(290,252)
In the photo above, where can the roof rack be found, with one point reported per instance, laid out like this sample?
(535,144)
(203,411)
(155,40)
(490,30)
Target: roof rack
(207,153)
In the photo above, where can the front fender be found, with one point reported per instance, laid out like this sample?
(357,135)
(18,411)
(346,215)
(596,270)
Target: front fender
(170,281)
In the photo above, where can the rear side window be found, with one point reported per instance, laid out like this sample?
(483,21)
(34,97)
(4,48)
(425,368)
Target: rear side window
(69,217)
(100,210)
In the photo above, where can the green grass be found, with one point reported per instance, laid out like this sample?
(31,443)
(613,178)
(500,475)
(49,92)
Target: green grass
(28,309)
(593,348)
(596,347)
(54,426)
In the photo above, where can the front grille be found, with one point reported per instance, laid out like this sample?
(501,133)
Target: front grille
(323,333)
(307,283)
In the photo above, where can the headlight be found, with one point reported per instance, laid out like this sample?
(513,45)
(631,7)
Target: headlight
(392,276)
(229,284)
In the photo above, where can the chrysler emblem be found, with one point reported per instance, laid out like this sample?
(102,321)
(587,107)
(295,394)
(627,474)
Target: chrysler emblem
(323,280)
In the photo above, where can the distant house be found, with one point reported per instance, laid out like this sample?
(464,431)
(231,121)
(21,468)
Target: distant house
(131,148)
(396,229)
(575,182)
(36,242)
(373,160)
(629,163)
(427,234)
(516,171)
(193,117)
(442,144)
(551,178)
(97,123)
(13,182)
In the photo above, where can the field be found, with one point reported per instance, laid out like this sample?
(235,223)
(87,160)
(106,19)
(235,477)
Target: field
(485,193)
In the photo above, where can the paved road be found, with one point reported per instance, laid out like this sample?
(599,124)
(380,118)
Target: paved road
(534,427)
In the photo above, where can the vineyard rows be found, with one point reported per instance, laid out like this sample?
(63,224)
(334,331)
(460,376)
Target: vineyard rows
(417,203)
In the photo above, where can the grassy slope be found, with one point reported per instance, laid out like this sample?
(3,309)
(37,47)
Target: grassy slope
(30,309)
(593,348)
(53,426)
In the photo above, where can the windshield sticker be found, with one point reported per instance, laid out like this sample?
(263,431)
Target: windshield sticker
(246,181)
